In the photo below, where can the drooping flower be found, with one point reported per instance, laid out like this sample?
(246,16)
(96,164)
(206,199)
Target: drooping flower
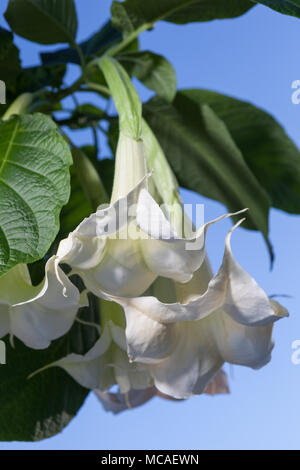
(225,318)
(116,402)
(106,363)
(123,248)
(37,314)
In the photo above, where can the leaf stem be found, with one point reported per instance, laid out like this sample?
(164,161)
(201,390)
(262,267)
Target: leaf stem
(119,47)
(96,87)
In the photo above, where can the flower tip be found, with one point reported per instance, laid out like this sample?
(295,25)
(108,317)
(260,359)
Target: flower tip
(237,224)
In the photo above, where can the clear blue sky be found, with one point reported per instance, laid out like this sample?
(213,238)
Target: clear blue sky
(256,58)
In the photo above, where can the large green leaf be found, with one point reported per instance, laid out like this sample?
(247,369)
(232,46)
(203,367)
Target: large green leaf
(34,185)
(269,152)
(132,14)
(205,158)
(153,70)
(42,406)
(9,57)
(288,7)
(92,46)
(43,21)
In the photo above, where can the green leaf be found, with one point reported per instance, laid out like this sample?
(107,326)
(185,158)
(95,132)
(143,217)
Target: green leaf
(43,21)
(126,99)
(77,209)
(32,79)
(9,58)
(89,178)
(98,42)
(268,151)
(40,407)
(79,205)
(205,158)
(132,14)
(287,7)
(153,70)
(34,185)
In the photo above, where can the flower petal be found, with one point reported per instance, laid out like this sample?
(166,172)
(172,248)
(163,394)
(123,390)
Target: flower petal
(122,270)
(50,313)
(218,385)
(90,370)
(182,356)
(148,340)
(15,285)
(166,254)
(193,363)
(84,247)
(245,301)
(232,289)
(129,375)
(81,253)
(118,402)
(243,345)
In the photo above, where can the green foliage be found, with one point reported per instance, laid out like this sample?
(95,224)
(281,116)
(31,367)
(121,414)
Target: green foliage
(205,158)
(9,57)
(43,21)
(34,185)
(32,79)
(94,45)
(132,14)
(268,151)
(287,7)
(153,70)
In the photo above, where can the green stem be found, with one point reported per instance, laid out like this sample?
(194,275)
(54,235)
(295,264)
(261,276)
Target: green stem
(95,87)
(81,56)
(61,94)
(119,47)
(87,323)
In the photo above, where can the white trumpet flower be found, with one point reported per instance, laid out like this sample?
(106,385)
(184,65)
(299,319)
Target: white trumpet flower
(185,343)
(121,249)
(106,363)
(37,314)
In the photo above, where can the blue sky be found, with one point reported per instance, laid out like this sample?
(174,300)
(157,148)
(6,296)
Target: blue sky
(255,58)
